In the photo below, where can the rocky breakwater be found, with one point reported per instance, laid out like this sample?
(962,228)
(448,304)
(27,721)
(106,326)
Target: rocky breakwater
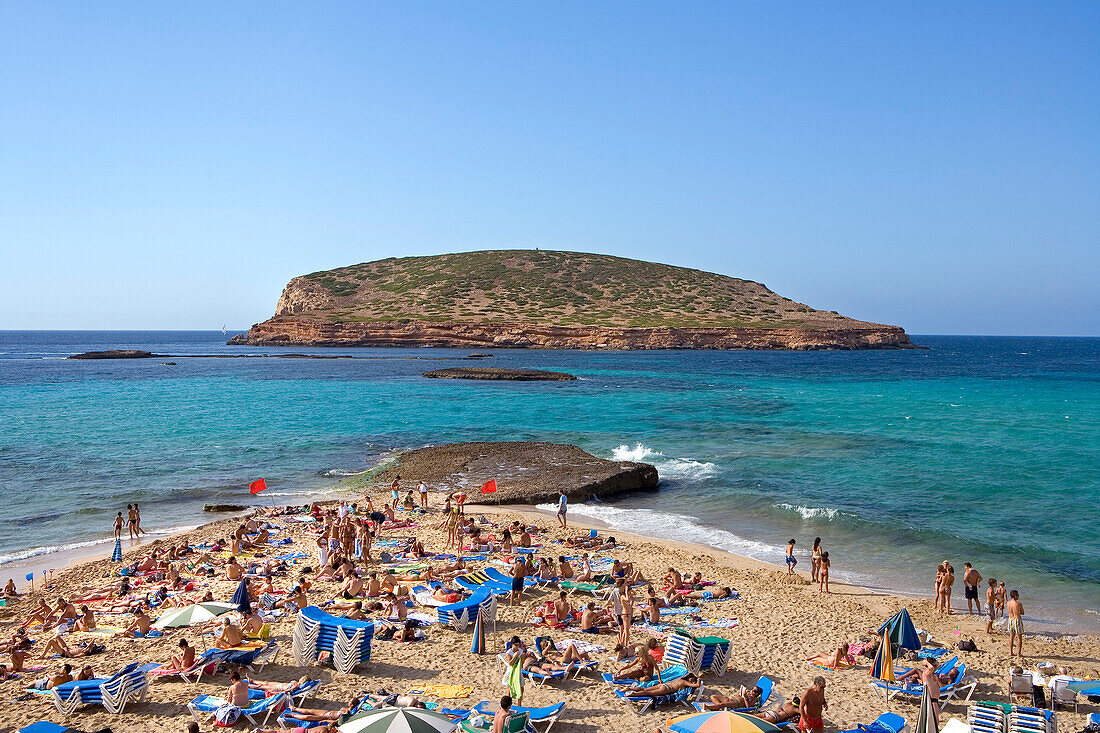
(505,375)
(306,331)
(525,472)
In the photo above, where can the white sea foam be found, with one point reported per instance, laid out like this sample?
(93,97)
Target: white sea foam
(666,467)
(676,527)
(812,512)
(344,472)
(52,549)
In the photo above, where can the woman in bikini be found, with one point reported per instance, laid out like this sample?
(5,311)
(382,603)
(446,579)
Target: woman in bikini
(815,559)
(823,573)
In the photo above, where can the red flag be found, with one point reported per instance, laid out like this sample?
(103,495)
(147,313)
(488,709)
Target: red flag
(489,487)
(257,486)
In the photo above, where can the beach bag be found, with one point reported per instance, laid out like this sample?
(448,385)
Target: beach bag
(968,645)
(226,716)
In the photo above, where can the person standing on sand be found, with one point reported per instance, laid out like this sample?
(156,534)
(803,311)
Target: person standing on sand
(823,573)
(1015,623)
(137,520)
(131,520)
(991,605)
(945,588)
(519,572)
(791,561)
(812,708)
(423,489)
(971,580)
(815,559)
(118,526)
(931,682)
(395,493)
(563,503)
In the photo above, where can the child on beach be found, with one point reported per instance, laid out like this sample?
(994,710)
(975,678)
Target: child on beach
(791,561)
(991,605)
(118,526)
(1002,596)
(823,573)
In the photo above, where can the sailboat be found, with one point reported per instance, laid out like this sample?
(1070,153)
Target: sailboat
(223,329)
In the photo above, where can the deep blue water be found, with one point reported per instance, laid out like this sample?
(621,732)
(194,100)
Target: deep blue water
(979,449)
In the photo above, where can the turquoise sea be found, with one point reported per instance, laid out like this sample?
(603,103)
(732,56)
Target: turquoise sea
(978,449)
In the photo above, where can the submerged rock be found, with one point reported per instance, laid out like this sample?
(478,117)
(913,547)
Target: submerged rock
(508,375)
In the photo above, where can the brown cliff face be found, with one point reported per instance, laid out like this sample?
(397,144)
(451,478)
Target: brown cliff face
(304,331)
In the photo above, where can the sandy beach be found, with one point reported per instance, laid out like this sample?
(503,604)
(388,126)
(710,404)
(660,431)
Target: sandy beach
(780,623)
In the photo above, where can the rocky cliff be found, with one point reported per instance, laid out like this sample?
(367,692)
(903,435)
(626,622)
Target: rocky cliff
(550,300)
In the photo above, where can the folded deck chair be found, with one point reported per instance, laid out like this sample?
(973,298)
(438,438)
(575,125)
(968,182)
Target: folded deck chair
(885,723)
(204,707)
(113,693)
(542,719)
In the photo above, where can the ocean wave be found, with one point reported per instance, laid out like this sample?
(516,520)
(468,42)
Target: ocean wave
(685,468)
(344,472)
(813,512)
(53,549)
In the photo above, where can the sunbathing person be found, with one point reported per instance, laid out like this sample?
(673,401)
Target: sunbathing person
(50,682)
(531,662)
(230,636)
(19,654)
(745,699)
(39,614)
(86,620)
(352,587)
(786,711)
(9,589)
(314,715)
(274,688)
(688,681)
(408,632)
(717,594)
(642,668)
(57,645)
(569,655)
(592,620)
(139,626)
(914,675)
(185,658)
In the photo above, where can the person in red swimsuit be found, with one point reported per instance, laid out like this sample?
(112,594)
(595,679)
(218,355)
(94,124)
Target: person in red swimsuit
(812,708)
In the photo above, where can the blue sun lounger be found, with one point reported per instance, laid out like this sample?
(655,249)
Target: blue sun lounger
(542,719)
(203,708)
(885,723)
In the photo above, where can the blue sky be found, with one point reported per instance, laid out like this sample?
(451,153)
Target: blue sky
(931,165)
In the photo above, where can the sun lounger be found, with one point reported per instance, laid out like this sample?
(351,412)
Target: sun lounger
(347,642)
(639,705)
(43,726)
(667,675)
(204,707)
(542,719)
(516,722)
(947,692)
(130,682)
(885,723)
(1093,719)
(461,614)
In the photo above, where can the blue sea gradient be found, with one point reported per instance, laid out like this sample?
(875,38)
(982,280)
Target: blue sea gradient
(978,449)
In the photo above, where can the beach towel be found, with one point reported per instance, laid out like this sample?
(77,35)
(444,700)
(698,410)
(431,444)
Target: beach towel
(680,610)
(583,646)
(450,692)
(718,623)
(513,680)
(227,715)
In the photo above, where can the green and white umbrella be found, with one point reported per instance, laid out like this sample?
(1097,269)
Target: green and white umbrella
(926,718)
(191,615)
(398,720)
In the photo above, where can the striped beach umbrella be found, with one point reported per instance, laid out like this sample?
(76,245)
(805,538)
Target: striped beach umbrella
(398,720)
(901,630)
(720,721)
(478,644)
(195,614)
(927,720)
(116,556)
(1085,687)
(883,666)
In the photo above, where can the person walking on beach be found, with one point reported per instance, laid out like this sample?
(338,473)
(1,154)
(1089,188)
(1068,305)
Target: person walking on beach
(423,489)
(812,708)
(945,588)
(519,572)
(791,561)
(823,573)
(137,521)
(1015,623)
(971,580)
(118,526)
(563,503)
(815,559)
(131,520)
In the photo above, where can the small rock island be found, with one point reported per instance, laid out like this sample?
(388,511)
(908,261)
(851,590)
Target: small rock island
(506,375)
(526,472)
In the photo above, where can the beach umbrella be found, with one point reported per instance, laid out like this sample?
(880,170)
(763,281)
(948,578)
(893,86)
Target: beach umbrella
(1085,687)
(720,721)
(927,721)
(240,598)
(116,556)
(883,666)
(195,614)
(398,720)
(478,644)
(901,630)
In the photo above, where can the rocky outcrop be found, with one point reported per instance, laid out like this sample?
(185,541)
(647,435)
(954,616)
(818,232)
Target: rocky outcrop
(525,472)
(115,354)
(507,375)
(305,331)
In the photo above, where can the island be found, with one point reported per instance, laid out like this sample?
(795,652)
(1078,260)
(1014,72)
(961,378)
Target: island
(115,354)
(526,472)
(550,300)
(507,375)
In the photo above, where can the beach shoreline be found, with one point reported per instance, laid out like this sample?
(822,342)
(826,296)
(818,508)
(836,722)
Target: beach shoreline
(780,622)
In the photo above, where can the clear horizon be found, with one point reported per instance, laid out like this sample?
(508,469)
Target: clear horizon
(172,167)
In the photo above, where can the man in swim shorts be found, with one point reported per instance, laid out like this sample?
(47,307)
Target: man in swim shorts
(1015,623)
(812,708)
(971,580)
(563,505)
(791,561)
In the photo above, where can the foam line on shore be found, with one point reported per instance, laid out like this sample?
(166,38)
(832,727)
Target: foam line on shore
(52,549)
